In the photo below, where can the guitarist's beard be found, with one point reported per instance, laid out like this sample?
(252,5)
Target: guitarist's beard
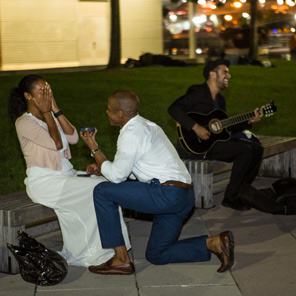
(222,82)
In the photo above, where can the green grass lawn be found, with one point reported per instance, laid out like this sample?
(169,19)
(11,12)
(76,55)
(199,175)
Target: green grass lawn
(83,97)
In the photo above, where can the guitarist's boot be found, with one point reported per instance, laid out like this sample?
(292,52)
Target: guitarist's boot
(235,204)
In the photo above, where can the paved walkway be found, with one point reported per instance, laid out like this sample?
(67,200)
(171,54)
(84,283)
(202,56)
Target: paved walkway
(265,261)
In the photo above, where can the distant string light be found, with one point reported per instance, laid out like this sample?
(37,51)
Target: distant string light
(237,4)
(186,25)
(228,17)
(213,18)
(173,17)
(290,3)
(199,19)
(246,15)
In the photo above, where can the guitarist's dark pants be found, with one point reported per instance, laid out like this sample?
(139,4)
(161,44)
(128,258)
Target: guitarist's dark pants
(245,155)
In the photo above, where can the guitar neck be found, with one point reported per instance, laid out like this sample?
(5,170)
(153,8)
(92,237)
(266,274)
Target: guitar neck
(237,119)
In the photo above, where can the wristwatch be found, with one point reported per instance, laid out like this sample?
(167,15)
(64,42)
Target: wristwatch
(59,113)
(92,154)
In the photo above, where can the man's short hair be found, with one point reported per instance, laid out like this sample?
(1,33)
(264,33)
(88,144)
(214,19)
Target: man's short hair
(210,66)
(126,101)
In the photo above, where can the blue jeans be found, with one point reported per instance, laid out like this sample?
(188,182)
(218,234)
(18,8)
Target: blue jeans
(170,206)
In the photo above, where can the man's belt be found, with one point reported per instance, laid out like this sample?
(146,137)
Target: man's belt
(177,184)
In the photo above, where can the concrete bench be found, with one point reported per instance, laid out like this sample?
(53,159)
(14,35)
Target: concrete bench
(279,160)
(18,212)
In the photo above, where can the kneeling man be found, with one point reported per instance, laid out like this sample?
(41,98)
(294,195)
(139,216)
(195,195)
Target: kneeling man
(163,187)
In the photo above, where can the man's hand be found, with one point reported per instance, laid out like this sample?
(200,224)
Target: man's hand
(89,139)
(93,169)
(258,114)
(201,132)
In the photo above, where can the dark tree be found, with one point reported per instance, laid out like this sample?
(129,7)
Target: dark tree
(115,38)
(253,49)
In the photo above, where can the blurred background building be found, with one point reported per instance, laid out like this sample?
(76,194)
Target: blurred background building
(223,27)
(36,34)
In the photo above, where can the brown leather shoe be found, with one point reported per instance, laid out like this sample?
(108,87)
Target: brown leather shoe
(106,268)
(227,251)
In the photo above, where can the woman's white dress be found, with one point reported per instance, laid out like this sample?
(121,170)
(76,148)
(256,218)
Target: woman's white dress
(71,197)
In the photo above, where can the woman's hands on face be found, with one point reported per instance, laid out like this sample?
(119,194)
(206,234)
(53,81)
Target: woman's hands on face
(44,103)
(54,106)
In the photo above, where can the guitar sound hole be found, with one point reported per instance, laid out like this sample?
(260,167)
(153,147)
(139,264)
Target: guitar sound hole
(215,126)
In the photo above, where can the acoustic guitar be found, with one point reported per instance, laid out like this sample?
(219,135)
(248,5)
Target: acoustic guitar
(217,123)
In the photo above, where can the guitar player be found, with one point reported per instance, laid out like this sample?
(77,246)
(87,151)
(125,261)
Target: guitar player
(245,155)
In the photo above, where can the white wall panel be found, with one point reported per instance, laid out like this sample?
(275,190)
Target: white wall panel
(141,28)
(94,33)
(38,32)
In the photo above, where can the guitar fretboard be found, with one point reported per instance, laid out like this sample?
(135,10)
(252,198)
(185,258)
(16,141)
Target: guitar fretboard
(237,119)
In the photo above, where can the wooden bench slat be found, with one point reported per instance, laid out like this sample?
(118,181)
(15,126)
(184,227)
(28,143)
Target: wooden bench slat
(17,212)
(26,215)
(276,145)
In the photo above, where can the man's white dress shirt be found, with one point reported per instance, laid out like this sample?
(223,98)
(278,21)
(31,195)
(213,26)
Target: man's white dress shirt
(144,151)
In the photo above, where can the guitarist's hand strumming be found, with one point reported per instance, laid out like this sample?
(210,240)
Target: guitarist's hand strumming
(201,131)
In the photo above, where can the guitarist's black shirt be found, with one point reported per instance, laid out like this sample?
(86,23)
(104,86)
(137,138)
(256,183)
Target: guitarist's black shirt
(216,104)
(198,98)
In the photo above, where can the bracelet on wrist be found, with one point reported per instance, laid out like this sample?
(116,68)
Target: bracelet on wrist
(59,113)
(92,154)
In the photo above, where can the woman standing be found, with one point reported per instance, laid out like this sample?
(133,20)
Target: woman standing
(44,133)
